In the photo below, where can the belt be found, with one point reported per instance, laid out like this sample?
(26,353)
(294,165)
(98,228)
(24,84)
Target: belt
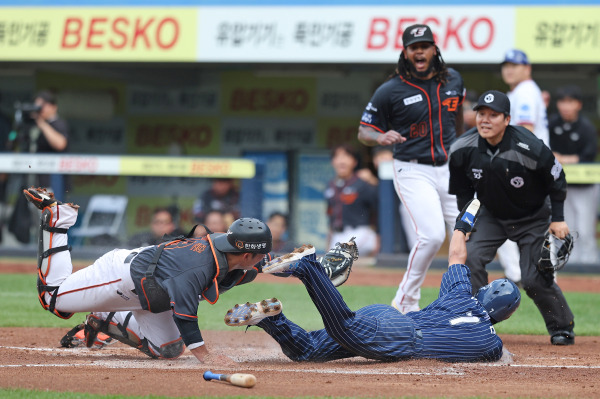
(428,161)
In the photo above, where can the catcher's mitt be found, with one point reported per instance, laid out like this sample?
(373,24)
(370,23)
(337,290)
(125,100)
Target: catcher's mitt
(338,261)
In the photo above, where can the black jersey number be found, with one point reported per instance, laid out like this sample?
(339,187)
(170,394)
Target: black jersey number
(418,130)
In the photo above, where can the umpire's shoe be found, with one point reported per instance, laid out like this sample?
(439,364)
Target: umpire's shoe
(249,314)
(284,265)
(563,338)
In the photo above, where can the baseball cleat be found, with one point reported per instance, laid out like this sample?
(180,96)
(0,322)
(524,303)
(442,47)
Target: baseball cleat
(286,264)
(40,197)
(249,314)
(563,338)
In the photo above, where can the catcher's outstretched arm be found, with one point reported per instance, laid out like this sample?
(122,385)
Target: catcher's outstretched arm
(204,356)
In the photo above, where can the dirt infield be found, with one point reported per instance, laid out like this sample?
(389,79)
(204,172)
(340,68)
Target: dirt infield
(31,358)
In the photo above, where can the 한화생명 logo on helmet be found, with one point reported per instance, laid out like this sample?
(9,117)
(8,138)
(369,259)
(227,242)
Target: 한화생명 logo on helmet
(489,98)
(259,245)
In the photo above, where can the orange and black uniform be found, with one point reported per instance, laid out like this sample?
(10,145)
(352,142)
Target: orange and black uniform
(189,270)
(423,111)
(351,202)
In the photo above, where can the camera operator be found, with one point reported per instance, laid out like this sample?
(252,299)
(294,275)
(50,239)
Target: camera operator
(55,131)
(48,134)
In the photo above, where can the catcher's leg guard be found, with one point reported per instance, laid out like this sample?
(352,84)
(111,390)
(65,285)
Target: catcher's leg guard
(47,230)
(170,350)
(118,331)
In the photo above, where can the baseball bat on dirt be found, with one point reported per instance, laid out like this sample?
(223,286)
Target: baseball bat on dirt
(238,379)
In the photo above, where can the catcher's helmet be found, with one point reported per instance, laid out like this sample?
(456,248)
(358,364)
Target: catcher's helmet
(244,235)
(555,252)
(500,298)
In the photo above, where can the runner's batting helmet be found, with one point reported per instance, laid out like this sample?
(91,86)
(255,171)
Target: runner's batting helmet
(555,252)
(500,298)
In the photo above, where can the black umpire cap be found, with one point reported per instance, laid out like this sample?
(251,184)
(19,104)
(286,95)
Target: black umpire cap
(245,235)
(416,34)
(494,99)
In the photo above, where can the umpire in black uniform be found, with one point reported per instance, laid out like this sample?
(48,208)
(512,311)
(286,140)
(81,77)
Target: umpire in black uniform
(522,189)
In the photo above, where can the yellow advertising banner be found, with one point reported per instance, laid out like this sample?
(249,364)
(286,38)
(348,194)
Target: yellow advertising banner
(245,94)
(194,167)
(582,173)
(98,34)
(565,35)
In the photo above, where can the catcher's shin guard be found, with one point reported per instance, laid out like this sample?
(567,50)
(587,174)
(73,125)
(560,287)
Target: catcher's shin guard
(121,333)
(118,331)
(45,251)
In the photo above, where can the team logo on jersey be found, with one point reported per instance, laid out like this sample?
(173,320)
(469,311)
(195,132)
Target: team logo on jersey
(367,118)
(477,173)
(517,182)
(489,98)
(556,169)
(451,103)
(413,99)
(370,107)
(418,32)
(120,293)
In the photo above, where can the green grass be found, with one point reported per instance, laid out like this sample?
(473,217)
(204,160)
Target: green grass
(19,306)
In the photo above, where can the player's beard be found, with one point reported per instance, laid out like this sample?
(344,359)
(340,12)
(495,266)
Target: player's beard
(413,71)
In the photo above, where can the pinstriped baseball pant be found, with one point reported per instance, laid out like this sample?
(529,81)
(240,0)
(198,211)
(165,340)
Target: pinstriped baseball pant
(375,332)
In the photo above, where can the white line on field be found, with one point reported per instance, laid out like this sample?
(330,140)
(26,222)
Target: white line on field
(324,371)
(184,363)
(560,366)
